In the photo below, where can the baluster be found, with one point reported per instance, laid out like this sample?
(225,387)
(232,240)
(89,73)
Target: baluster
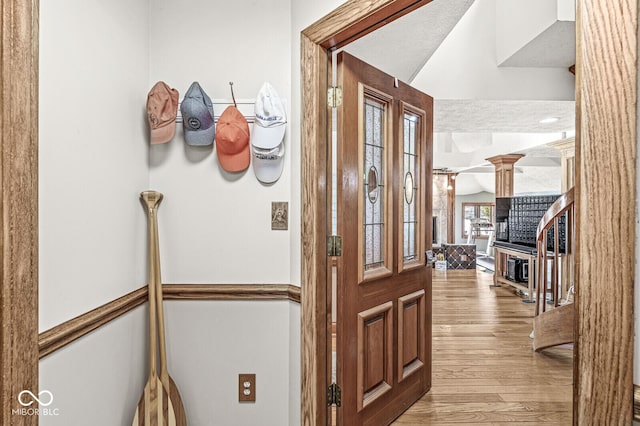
(556,260)
(538,278)
(544,269)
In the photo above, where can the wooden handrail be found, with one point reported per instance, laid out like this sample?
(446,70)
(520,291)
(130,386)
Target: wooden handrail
(561,205)
(564,204)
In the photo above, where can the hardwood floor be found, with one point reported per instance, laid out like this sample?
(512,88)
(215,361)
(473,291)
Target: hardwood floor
(484,369)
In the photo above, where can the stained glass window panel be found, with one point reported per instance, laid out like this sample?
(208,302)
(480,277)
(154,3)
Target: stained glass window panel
(410,188)
(374,178)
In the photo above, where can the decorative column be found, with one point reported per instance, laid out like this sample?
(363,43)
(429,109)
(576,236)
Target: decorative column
(567,148)
(451,208)
(504,173)
(504,188)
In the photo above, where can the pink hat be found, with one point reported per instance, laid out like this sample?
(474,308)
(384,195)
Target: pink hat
(162,109)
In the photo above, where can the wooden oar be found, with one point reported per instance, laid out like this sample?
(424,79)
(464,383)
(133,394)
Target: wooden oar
(154,408)
(167,381)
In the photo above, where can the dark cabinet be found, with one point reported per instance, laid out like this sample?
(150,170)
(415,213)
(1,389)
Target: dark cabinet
(517,220)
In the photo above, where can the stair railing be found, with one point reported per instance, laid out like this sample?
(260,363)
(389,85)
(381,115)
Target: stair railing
(551,219)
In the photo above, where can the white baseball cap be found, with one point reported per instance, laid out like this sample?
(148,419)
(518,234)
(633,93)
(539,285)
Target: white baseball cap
(268,163)
(271,119)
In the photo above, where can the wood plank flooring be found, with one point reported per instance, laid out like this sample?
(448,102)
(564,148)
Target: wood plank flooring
(484,369)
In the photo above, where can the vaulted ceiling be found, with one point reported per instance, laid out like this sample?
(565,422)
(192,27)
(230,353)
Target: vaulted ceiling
(496,69)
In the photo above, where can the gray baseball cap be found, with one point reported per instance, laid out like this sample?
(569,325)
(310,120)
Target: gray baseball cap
(197,116)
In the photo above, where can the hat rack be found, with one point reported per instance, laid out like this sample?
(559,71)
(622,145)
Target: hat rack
(245,106)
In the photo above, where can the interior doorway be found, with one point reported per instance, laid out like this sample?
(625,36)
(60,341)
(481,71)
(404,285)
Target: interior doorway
(340,180)
(333,32)
(380,331)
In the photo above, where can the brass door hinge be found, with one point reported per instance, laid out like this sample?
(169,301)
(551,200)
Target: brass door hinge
(334,245)
(334,97)
(334,395)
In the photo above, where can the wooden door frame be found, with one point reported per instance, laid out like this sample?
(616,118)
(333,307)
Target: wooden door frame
(605,148)
(19,181)
(603,379)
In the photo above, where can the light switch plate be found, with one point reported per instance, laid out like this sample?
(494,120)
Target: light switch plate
(280,215)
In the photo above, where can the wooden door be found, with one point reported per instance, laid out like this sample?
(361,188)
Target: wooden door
(383,286)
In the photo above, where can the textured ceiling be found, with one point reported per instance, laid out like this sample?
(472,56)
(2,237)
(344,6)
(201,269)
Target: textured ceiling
(402,47)
(502,116)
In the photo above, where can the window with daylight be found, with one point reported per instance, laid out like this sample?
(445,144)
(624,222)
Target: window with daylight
(480,217)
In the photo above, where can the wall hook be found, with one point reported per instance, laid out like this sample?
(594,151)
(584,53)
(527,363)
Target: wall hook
(232,95)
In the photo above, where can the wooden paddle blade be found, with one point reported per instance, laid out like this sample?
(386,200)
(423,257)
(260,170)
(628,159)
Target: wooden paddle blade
(155,407)
(176,402)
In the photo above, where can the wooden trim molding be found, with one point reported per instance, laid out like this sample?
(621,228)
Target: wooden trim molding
(18,205)
(314,320)
(57,337)
(355,19)
(231,292)
(61,335)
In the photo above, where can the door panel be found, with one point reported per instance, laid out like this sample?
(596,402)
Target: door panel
(383,287)
(411,334)
(375,353)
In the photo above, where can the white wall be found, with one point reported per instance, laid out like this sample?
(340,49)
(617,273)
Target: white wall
(303,14)
(566,10)
(92,154)
(99,379)
(216,227)
(520,21)
(93,164)
(295,375)
(465,66)
(210,342)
